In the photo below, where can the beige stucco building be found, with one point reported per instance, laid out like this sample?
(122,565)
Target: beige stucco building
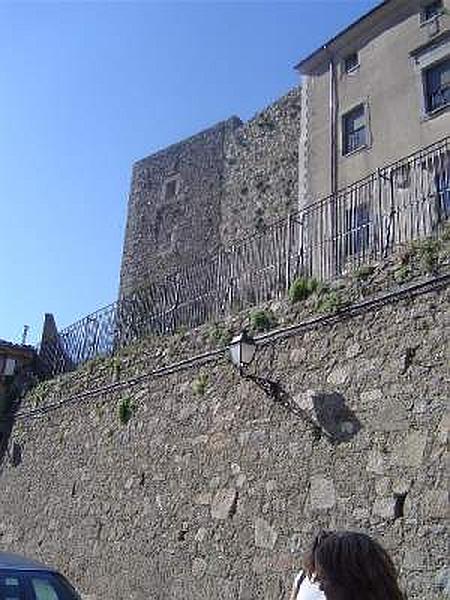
(376,92)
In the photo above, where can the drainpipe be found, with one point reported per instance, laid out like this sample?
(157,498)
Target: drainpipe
(333,129)
(332,259)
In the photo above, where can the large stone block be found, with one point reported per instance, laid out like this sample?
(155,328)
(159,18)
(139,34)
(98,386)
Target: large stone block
(223,503)
(199,566)
(265,534)
(377,462)
(390,415)
(410,452)
(384,507)
(339,375)
(435,504)
(322,494)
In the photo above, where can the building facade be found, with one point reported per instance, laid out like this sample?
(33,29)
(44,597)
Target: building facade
(378,91)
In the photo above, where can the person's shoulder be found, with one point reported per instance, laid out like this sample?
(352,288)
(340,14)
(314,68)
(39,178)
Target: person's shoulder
(309,590)
(299,577)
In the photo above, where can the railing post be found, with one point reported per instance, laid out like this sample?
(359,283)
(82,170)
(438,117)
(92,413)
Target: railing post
(287,274)
(380,233)
(390,236)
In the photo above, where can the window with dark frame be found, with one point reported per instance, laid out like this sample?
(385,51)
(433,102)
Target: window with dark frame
(437,86)
(431,10)
(351,62)
(354,129)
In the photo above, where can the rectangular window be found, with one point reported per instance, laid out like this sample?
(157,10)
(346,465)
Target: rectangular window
(354,129)
(430,11)
(437,86)
(351,62)
(170,187)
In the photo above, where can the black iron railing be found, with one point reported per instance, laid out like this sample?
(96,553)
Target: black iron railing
(365,221)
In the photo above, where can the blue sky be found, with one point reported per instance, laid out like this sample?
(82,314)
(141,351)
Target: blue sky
(87,88)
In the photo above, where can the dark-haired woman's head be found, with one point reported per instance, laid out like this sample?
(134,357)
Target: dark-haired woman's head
(351,566)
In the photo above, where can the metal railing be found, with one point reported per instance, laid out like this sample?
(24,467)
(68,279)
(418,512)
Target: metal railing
(399,203)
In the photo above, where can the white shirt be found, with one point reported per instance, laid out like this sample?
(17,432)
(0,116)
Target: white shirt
(309,590)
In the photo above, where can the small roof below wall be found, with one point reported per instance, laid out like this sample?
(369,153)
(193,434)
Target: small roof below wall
(16,350)
(343,39)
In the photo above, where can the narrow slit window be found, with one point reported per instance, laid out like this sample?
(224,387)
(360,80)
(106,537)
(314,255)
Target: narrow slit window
(170,188)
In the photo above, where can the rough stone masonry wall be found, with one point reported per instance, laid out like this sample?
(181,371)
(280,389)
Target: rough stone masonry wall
(232,179)
(261,169)
(212,490)
(165,232)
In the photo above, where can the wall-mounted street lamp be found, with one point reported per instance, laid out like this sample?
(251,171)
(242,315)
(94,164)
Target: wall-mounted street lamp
(242,350)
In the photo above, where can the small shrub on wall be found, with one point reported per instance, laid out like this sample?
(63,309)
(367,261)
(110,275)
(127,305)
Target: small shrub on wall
(262,320)
(200,384)
(126,409)
(301,288)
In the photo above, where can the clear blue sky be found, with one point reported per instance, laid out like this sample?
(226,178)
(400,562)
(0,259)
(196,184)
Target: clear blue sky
(87,88)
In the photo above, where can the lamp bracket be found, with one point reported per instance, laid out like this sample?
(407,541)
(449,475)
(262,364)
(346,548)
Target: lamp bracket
(275,392)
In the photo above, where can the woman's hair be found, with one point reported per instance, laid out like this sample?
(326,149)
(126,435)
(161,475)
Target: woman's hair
(309,557)
(350,566)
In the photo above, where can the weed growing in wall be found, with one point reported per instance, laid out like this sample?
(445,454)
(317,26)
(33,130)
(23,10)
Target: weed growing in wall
(40,393)
(219,335)
(116,368)
(262,320)
(200,384)
(428,253)
(92,365)
(301,288)
(126,409)
(402,273)
(331,301)
(363,272)
(445,235)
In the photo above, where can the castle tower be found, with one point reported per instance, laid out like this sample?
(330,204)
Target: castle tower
(174,207)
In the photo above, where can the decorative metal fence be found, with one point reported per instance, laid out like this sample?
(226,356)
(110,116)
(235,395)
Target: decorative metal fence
(365,221)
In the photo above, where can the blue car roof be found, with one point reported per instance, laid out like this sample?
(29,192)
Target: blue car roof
(20,563)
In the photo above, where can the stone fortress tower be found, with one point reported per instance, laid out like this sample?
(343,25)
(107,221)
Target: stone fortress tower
(174,206)
(202,193)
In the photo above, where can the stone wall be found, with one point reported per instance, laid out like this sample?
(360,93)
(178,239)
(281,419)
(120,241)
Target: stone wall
(174,207)
(211,489)
(261,170)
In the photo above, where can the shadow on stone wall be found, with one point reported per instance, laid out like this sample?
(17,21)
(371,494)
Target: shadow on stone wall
(335,418)
(327,415)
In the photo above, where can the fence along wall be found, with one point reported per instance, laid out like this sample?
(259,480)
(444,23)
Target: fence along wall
(365,222)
